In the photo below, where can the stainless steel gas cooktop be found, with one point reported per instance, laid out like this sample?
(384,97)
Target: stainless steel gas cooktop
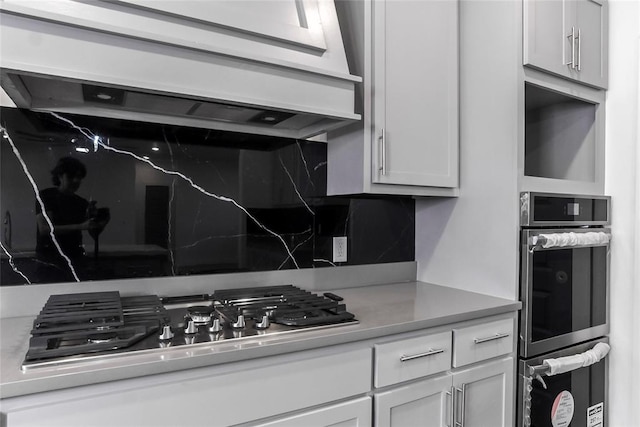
(77,327)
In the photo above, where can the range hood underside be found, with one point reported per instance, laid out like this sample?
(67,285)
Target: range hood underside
(46,93)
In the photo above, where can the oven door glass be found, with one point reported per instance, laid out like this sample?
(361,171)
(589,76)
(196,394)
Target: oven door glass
(565,295)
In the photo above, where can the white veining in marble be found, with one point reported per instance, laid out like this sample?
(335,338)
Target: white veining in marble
(36,190)
(175,173)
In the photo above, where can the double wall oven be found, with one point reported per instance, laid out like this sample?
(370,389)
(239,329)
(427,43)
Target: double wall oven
(564,289)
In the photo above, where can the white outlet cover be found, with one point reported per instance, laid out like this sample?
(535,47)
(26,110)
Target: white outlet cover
(340,249)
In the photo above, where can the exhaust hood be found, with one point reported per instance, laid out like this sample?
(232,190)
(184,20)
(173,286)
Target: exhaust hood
(270,67)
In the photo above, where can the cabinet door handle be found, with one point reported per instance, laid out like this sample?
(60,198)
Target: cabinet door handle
(491,338)
(579,39)
(451,410)
(383,152)
(572,37)
(459,406)
(463,404)
(431,352)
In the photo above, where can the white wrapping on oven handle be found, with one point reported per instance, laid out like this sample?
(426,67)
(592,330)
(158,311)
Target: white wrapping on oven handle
(560,240)
(570,363)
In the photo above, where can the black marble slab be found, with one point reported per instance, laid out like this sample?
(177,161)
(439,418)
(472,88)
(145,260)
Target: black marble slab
(183,201)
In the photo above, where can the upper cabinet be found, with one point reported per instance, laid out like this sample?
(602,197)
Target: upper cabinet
(568,38)
(407,143)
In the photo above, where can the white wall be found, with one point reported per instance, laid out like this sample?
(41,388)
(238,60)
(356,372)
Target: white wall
(622,182)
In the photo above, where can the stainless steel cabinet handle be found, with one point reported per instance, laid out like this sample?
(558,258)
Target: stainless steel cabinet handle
(404,358)
(572,37)
(451,411)
(463,404)
(491,338)
(383,152)
(460,403)
(579,38)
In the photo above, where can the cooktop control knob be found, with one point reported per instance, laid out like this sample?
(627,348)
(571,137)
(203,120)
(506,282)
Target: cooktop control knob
(166,334)
(216,326)
(263,323)
(191,328)
(240,323)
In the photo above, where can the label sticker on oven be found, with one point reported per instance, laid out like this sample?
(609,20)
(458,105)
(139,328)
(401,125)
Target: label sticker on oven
(595,415)
(562,409)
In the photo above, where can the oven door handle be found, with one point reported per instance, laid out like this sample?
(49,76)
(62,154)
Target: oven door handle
(564,364)
(568,240)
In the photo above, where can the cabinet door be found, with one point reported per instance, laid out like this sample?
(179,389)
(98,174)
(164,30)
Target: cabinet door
(426,402)
(592,18)
(546,45)
(355,413)
(484,394)
(415,91)
(568,38)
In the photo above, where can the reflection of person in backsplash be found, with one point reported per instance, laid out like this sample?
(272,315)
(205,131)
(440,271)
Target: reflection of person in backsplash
(70,215)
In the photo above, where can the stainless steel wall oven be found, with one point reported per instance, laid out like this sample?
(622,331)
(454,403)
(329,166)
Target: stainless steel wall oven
(564,289)
(564,270)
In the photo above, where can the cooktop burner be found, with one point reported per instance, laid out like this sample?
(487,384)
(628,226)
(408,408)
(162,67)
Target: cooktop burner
(75,327)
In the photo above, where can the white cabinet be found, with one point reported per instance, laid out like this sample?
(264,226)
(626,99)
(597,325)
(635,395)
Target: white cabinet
(412,358)
(354,413)
(475,385)
(480,396)
(484,394)
(568,38)
(407,143)
(222,395)
(427,400)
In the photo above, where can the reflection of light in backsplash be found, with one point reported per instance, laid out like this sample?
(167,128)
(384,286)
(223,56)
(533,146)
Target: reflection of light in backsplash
(87,133)
(7,137)
(12,264)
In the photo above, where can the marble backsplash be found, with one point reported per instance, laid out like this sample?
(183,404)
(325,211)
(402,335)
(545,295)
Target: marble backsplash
(185,201)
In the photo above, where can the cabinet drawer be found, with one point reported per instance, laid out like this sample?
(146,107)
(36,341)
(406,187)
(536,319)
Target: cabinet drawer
(411,358)
(482,342)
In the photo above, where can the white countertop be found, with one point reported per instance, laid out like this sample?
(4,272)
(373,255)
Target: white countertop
(381,310)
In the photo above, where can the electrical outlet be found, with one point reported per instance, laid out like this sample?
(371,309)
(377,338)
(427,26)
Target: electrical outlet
(340,249)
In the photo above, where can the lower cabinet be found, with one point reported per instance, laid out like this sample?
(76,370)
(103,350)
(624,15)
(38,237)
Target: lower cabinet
(461,376)
(354,413)
(220,395)
(478,396)
(427,400)
(484,394)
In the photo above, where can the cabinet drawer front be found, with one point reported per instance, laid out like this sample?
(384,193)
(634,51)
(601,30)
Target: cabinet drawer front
(482,342)
(411,358)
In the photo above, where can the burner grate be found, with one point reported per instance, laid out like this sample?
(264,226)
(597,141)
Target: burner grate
(63,313)
(76,324)
(285,305)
